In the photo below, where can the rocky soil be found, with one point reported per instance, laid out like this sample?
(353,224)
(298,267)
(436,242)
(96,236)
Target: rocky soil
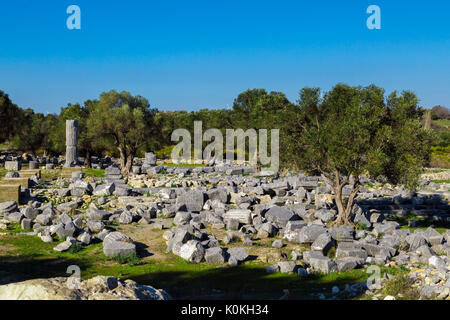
(214,215)
(98,288)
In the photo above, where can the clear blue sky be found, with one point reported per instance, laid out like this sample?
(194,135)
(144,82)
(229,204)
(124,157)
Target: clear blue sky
(202,54)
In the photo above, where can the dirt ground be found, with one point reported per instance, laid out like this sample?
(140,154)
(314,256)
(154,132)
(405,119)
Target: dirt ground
(152,246)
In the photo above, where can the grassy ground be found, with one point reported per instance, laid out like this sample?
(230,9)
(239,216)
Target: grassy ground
(180,165)
(95,173)
(49,175)
(441,181)
(422,223)
(28,257)
(440,153)
(443,123)
(440,157)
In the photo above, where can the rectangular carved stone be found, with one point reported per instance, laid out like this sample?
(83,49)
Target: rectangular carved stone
(66,172)
(33,165)
(9,193)
(29,173)
(13,165)
(242,215)
(23,182)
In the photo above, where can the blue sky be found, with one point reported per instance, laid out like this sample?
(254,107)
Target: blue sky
(202,54)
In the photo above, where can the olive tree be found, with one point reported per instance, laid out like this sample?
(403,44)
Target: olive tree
(33,133)
(352,131)
(124,119)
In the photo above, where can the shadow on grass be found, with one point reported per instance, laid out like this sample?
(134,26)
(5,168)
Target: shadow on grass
(22,268)
(197,282)
(141,250)
(433,211)
(247,281)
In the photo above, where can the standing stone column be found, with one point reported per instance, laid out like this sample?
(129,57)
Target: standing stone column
(71,143)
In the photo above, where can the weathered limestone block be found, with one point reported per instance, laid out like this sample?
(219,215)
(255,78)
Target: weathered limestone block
(23,182)
(13,165)
(33,165)
(9,193)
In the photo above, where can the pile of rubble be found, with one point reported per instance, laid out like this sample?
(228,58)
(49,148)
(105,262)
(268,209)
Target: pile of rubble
(295,209)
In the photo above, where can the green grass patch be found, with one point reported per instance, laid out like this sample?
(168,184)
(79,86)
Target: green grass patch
(75,248)
(48,175)
(440,181)
(440,230)
(131,259)
(3,172)
(182,164)
(14,228)
(331,253)
(440,156)
(362,226)
(400,287)
(28,257)
(443,123)
(94,173)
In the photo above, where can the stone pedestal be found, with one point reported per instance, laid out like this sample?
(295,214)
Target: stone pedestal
(33,165)
(13,165)
(150,159)
(149,162)
(10,193)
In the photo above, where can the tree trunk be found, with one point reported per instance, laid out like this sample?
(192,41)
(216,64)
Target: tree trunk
(123,160)
(351,199)
(129,163)
(344,212)
(87,161)
(340,220)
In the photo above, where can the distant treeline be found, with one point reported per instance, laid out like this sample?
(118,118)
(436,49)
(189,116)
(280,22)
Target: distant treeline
(122,125)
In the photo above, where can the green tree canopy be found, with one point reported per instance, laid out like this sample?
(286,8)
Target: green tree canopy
(258,109)
(9,117)
(33,132)
(127,120)
(352,131)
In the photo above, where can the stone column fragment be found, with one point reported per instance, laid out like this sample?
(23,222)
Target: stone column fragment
(71,143)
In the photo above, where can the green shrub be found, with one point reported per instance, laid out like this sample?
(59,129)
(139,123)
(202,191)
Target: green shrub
(362,226)
(76,247)
(400,285)
(131,259)
(164,153)
(440,157)
(95,173)
(331,253)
